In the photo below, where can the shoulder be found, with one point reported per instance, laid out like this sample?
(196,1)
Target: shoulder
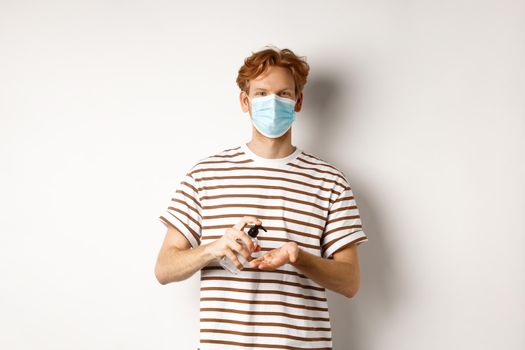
(230,155)
(320,164)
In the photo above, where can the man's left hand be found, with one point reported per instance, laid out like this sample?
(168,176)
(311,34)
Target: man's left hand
(277,257)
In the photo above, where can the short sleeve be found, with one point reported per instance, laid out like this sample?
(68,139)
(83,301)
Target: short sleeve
(343,225)
(184,210)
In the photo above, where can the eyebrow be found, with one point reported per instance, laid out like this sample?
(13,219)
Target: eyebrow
(267,89)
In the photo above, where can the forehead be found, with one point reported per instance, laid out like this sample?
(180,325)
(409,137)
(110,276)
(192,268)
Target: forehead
(275,77)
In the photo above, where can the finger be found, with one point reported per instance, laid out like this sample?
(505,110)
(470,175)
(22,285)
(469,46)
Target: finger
(267,258)
(234,259)
(263,257)
(232,244)
(258,260)
(246,239)
(246,220)
(264,266)
(291,257)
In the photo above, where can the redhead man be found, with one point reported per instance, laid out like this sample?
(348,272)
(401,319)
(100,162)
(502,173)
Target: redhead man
(273,294)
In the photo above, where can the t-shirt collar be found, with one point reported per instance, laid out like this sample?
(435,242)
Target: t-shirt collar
(270,161)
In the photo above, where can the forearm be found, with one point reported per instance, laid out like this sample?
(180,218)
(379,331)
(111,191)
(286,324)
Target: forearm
(340,277)
(177,265)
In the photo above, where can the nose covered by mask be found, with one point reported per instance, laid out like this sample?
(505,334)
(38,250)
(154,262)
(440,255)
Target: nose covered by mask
(272,115)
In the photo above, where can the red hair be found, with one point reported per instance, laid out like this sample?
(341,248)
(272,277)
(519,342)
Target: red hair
(259,62)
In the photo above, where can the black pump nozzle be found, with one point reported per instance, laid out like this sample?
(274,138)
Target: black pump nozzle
(254,231)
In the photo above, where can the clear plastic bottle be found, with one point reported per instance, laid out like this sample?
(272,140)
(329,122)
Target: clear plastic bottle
(226,262)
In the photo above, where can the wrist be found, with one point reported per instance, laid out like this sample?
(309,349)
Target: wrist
(207,250)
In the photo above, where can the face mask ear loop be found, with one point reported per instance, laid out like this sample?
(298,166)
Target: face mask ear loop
(250,104)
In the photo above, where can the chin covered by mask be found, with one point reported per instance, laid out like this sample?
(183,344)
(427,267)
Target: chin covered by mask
(272,115)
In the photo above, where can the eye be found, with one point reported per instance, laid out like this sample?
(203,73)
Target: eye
(260,93)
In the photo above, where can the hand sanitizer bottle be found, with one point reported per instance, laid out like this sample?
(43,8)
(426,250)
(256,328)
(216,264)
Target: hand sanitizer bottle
(227,264)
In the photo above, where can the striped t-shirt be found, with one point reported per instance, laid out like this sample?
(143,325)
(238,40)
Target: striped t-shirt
(298,198)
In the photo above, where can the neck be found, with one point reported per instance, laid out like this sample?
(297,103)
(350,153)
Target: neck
(266,147)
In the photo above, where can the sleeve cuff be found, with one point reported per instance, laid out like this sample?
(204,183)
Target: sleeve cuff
(337,244)
(169,219)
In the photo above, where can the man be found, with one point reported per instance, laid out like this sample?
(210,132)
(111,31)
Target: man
(313,227)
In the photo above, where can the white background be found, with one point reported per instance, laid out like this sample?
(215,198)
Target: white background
(105,104)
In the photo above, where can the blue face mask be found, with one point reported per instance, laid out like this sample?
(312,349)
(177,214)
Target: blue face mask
(272,115)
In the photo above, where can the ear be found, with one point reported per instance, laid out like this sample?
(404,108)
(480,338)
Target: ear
(245,103)
(299,102)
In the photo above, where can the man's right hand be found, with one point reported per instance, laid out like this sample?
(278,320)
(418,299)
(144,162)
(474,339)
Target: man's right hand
(227,245)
